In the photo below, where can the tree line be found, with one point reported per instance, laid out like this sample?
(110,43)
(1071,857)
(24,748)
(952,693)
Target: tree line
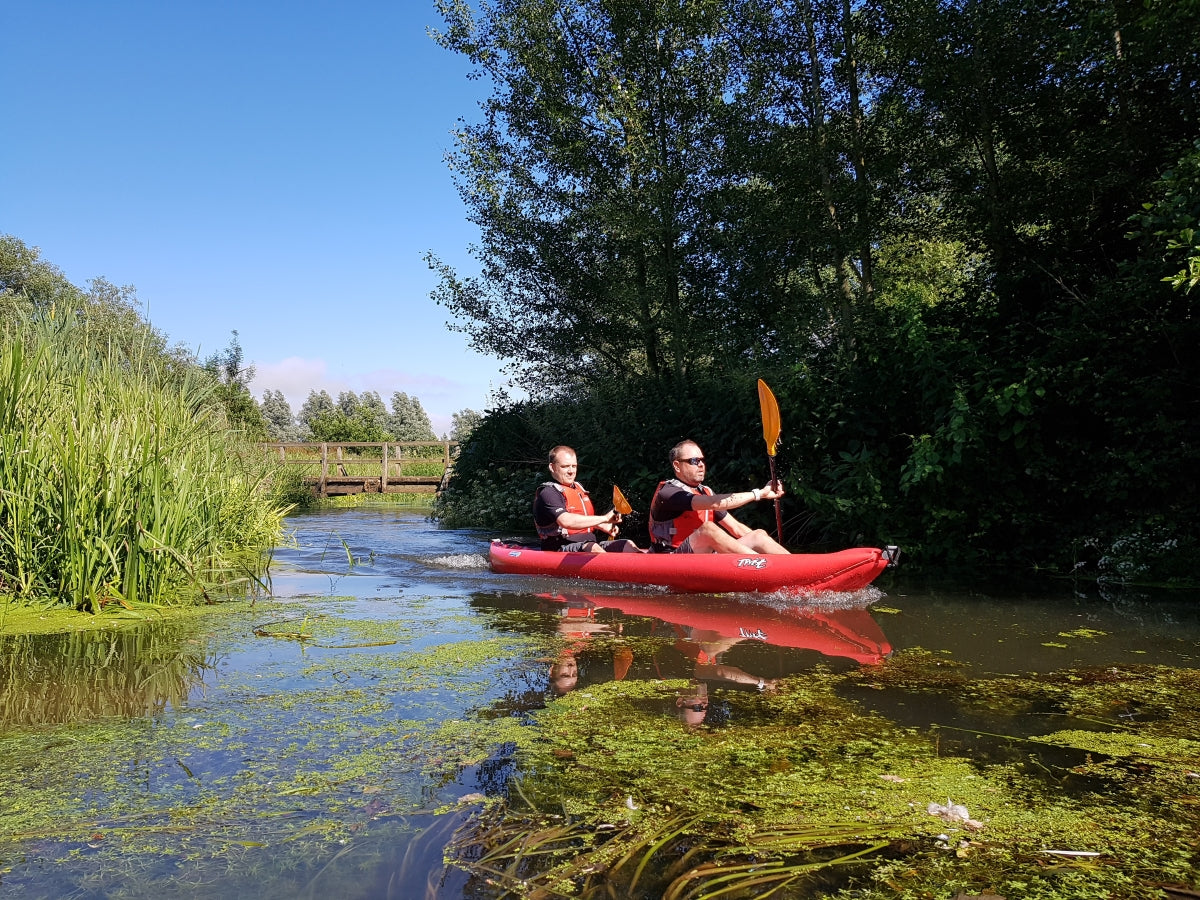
(356,417)
(353,417)
(957,238)
(31,286)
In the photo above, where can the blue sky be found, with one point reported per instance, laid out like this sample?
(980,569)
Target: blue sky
(275,168)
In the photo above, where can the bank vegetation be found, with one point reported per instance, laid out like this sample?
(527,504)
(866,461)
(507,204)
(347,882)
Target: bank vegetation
(122,480)
(957,239)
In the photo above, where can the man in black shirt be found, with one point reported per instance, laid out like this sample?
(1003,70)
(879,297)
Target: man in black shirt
(564,516)
(687,517)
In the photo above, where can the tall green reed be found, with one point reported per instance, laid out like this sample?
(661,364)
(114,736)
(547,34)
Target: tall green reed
(119,480)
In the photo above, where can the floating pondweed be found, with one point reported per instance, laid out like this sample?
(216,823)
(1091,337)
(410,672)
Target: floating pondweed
(785,799)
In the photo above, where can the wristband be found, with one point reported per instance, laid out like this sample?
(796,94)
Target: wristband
(757,494)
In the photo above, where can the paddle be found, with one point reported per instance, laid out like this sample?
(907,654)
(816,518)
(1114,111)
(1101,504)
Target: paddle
(771,427)
(620,504)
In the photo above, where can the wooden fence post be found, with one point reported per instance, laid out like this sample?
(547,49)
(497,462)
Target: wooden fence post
(384,473)
(324,467)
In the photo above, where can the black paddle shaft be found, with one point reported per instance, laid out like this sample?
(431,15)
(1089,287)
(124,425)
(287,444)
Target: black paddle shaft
(778,514)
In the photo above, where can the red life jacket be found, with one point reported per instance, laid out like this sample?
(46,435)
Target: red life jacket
(674,532)
(575,500)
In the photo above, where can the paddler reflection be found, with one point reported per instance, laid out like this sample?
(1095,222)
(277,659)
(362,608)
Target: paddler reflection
(692,703)
(578,626)
(705,629)
(705,647)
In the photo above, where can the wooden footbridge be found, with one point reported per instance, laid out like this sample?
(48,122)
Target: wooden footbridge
(371,468)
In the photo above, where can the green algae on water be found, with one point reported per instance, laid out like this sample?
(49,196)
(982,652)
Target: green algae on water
(811,794)
(337,748)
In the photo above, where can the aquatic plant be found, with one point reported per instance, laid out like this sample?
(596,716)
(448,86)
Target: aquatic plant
(119,479)
(810,794)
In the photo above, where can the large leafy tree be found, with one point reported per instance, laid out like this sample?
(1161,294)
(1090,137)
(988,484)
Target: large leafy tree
(31,287)
(228,368)
(588,177)
(913,216)
(29,283)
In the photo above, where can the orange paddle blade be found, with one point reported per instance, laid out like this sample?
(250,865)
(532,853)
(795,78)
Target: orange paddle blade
(620,504)
(770,416)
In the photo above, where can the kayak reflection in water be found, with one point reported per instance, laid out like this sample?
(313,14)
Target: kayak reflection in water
(850,633)
(704,633)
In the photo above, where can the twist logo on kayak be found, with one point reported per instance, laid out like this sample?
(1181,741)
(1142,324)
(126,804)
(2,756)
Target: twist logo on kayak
(755,562)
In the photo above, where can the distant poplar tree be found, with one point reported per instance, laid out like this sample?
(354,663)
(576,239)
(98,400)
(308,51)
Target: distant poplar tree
(463,422)
(318,405)
(277,413)
(409,421)
(373,414)
(347,403)
(352,418)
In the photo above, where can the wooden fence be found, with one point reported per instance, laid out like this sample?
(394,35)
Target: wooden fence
(351,467)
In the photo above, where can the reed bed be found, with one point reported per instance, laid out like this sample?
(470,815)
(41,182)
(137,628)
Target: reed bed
(681,857)
(119,479)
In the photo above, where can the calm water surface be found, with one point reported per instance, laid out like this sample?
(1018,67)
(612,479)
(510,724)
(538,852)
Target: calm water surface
(233,759)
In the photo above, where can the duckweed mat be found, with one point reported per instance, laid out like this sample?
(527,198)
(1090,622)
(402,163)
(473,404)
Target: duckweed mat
(403,748)
(807,793)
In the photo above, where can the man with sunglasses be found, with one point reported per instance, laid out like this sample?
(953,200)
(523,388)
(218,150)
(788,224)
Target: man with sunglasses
(687,517)
(564,516)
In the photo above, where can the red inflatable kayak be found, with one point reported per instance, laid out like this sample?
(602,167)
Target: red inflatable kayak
(712,573)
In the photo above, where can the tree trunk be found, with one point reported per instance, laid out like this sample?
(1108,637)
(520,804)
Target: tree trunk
(861,184)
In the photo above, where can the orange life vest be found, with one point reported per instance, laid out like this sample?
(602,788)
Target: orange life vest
(575,500)
(673,532)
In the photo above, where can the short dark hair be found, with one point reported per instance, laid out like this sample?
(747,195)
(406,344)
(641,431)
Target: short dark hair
(677,450)
(557,450)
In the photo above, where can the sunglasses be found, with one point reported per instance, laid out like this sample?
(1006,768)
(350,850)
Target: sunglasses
(694,460)
(697,707)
